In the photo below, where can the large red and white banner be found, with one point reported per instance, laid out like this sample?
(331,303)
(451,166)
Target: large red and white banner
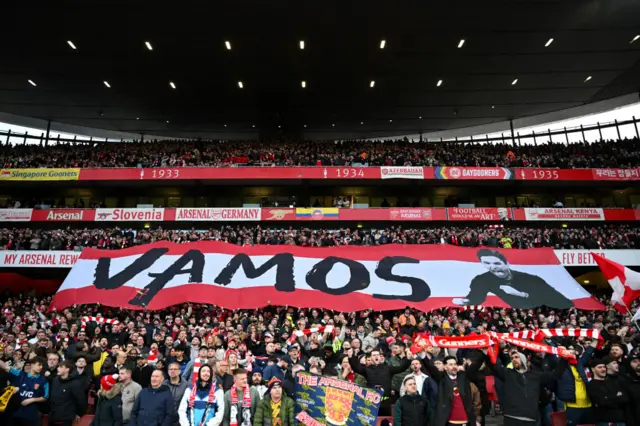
(342,278)
(559,214)
(229,214)
(66,259)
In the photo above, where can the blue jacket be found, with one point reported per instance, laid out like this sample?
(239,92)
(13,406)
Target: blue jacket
(272,371)
(566,388)
(29,387)
(153,407)
(193,416)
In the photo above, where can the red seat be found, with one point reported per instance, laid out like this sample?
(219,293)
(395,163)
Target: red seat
(491,388)
(84,420)
(559,418)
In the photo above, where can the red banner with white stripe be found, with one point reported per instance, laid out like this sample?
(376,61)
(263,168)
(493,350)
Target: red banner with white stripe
(345,278)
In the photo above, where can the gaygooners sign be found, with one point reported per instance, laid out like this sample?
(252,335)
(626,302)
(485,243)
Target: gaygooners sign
(155,276)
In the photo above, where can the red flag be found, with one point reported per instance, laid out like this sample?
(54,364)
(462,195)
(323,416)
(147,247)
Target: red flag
(624,282)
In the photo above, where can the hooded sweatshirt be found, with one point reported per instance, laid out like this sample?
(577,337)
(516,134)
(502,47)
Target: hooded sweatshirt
(202,412)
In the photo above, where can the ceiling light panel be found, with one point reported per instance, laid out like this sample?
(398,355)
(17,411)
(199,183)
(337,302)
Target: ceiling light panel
(303,84)
(383,43)
(71,45)
(106,83)
(301,44)
(172,84)
(148,44)
(439,83)
(514,82)
(548,43)
(372,84)
(636,38)
(240,85)
(460,43)
(587,79)
(227,44)
(32,83)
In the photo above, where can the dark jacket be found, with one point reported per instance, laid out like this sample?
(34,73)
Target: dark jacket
(632,386)
(479,378)
(411,410)
(609,406)
(177,392)
(153,407)
(109,408)
(522,390)
(378,375)
(225,382)
(142,376)
(263,413)
(566,386)
(445,392)
(67,399)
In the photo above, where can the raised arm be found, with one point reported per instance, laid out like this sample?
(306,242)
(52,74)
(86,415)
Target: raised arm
(433,371)
(556,374)
(498,370)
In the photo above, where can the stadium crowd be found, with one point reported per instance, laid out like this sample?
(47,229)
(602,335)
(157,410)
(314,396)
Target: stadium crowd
(176,153)
(140,370)
(517,237)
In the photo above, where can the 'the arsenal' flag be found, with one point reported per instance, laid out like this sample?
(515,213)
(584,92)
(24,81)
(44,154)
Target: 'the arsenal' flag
(624,282)
(346,278)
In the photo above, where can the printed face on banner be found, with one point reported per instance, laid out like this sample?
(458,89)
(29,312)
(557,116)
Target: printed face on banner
(342,278)
(496,266)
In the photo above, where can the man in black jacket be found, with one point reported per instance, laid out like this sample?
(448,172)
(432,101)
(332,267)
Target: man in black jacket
(632,385)
(378,375)
(607,394)
(67,399)
(522,388)
(142,372)
(455,404)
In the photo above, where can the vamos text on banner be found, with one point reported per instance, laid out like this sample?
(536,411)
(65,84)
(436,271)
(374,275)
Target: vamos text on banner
(66,259)
(346,279)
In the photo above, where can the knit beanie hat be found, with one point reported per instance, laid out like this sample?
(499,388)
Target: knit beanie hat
(273,382)
(109,381)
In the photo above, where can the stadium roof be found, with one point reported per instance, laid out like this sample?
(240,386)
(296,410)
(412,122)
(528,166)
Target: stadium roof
(114,65)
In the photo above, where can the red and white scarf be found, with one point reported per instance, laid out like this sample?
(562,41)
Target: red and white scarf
(484,341)
(591,333)
(99,320)
(194,388)
(246,406)
(307,331)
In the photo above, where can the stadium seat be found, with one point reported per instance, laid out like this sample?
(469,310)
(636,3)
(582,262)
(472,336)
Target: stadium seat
(559,418)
